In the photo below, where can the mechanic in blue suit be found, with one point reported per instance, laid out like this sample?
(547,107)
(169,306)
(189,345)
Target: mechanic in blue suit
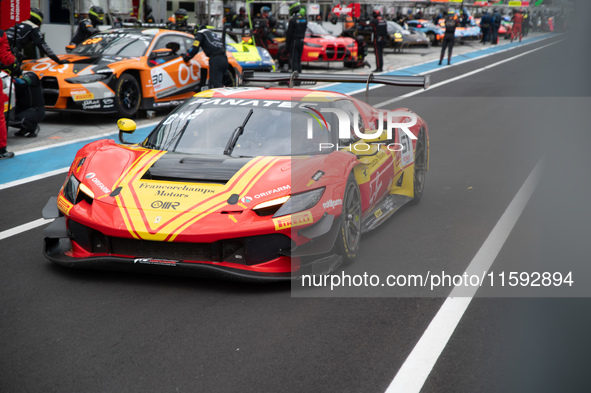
(496,25)
(485,25)
(214,48)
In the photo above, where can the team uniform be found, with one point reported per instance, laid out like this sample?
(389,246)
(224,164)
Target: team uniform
(214,48)
(296,32)
(7,59)
(380,30)
(449,38)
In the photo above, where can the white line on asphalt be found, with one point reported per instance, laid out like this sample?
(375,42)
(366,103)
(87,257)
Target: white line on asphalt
(418,365)
(23,228)
(537,39)
(445,82)
(33,178)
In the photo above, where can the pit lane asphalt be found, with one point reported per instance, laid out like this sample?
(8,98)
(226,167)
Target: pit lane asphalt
(63,330)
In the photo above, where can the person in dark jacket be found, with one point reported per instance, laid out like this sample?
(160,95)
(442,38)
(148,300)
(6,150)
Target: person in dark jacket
(380,35)
(485,26)
(30,104)
(296,32)
(28,32)
(7,61)
(88,26)
(449,38)
(496,25)
(181,17)
(214,47)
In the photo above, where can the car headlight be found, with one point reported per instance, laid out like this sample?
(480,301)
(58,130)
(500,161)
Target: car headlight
(397,35)
(88,78)
(71,189)
(264,54)
(298,202)
(312,45)
(75,191)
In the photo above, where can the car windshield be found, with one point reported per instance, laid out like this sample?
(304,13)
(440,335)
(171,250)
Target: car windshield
(315,28)
(114,44)
(205,126)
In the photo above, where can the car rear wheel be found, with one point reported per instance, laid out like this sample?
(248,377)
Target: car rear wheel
(432,38)
(349,235)
(127,95)
(420,167)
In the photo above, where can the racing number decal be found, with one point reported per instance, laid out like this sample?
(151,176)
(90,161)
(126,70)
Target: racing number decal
(91,41)
(157,79)
(186,72)
(407,155)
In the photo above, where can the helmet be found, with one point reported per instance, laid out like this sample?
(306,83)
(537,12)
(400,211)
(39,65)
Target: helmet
(96,14)
(294,8)
(302,11)
(228,9)
(375,13)
(266,10)
(181,15)
(242,10)
(36,16)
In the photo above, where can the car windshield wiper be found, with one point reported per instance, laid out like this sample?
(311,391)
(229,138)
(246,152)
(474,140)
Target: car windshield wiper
(236,134)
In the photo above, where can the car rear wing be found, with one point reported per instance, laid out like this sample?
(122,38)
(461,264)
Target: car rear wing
(391,80)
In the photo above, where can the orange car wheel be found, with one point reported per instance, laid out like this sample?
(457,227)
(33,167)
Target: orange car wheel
(127,95)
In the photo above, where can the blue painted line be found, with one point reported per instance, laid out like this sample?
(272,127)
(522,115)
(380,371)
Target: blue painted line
(54,158)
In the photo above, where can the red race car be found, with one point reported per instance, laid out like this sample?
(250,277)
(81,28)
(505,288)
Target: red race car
(247,183)
(319,45)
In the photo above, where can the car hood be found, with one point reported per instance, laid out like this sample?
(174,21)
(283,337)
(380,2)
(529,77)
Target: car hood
(77,65)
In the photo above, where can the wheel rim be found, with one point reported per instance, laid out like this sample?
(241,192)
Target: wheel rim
(129,95)
(352,217)
(420,164)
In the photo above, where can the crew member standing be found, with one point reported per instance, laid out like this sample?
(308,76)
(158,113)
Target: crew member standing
(213,46)
(517,25)
(380,34)
(296,32)
(449,37)
(181,17)
(496,25)
(27,32)
(7,60)
(485,26)
(88,27)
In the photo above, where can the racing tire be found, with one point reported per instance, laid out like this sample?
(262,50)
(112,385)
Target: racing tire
(349,235)
(432,38)
(127,95)
(229,79)
(420,167)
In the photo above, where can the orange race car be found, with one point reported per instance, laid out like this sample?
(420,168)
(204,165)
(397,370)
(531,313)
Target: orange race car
(125,70)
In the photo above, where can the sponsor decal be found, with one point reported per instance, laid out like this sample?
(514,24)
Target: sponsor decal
(98,183)
(273,191)
(332,203)
(64,205)
(315,177)
(378,213)
(82,96)
(293,220)
(246,199)
(161,262)
(91,104)
(167,190)
(107,101)
(165,205)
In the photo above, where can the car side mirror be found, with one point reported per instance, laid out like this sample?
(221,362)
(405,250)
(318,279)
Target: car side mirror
(126,126)
(159,53)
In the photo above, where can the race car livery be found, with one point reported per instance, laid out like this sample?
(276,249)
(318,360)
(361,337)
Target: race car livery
(248,183)
(248,55)
(125,70)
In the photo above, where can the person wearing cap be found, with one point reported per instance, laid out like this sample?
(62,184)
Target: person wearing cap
(181,17)
(88,26)
(449,38)
(28,32)
(296,32)
(7,61)
(380,35)
(213,46)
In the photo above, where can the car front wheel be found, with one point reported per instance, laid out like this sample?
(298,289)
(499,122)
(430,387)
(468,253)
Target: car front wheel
(127,95)
(349,235)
